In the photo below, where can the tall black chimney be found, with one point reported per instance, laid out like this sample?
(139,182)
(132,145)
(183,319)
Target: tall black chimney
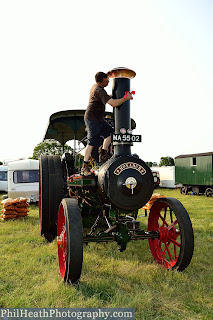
(121,83)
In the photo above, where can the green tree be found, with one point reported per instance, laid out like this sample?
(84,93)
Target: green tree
(149,164)
(152,164)
(166,161)
(1,162)
(49,147)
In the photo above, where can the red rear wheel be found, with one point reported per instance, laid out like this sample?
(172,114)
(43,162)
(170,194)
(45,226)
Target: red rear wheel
(174,247)
(70,240)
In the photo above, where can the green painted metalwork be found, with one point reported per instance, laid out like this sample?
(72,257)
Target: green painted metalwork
(122,238)
(69,125)
(116,214)
(81,181)
(101,237)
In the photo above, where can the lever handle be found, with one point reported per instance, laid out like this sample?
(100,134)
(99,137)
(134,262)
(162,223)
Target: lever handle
(132,92)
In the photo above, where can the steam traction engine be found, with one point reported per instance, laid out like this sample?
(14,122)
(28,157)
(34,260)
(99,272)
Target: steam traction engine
(109,199)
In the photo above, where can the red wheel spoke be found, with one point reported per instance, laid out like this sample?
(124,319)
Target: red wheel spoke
(172,225)
(158,249)
(160,216)
(167,249)
(164,218)
(175,251)
(163,253)
(171,216)
(175,242)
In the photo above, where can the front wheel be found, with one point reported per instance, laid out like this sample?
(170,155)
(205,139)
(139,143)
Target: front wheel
(70,240)
(174,247)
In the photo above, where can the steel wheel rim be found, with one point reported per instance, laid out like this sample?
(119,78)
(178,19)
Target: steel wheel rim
(165,249)
(62,241)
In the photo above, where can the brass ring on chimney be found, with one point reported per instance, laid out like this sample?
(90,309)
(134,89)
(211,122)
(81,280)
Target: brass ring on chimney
(121,73)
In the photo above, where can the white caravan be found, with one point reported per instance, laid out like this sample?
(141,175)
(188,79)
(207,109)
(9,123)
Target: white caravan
(167,176)
(3,179)
(23,179)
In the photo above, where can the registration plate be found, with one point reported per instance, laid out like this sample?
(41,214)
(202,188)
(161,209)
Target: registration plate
(118,137)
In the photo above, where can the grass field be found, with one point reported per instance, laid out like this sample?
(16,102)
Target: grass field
(29,274)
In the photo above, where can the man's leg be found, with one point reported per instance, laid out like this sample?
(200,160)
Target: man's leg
(106,143)
(106,132)
(88,152)
(92,133)
(85,170)
(103,152)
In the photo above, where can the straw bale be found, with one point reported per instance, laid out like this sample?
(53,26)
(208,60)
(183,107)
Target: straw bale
(152,200)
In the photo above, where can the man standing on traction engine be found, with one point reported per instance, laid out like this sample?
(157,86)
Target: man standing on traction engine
(95,124)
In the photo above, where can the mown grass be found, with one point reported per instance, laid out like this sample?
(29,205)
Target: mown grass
(29,274)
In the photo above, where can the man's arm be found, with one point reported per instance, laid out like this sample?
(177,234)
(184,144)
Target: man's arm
(117,102)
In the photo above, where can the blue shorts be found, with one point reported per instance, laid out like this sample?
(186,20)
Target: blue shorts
(96,130)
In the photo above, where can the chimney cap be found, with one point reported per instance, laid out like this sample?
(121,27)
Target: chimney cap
(121,73)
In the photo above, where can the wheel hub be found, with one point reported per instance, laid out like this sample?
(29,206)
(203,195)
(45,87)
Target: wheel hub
(166,235)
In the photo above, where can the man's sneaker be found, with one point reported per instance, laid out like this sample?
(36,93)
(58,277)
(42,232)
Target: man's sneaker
(103,155)
(85,170)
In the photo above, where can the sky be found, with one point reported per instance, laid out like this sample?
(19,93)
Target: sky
(51,50)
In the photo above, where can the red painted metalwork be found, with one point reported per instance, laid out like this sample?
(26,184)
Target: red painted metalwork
(166,249)
(132,92)
(62,241)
